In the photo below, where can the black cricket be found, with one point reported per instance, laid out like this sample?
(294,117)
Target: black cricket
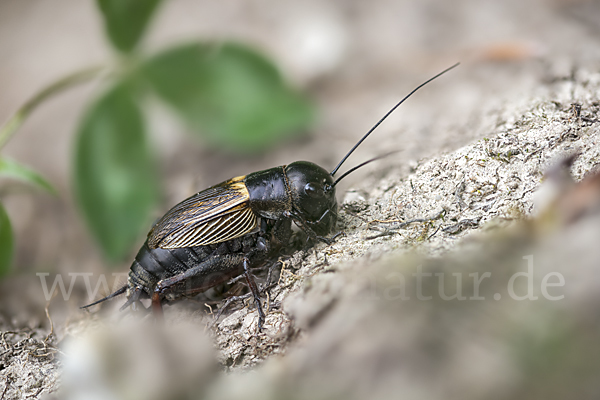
(227,230)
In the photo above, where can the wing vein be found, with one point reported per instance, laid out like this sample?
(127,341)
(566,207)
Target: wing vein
(215,215)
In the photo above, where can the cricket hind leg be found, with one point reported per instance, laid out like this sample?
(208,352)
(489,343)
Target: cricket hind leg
(208,274)
(200,277)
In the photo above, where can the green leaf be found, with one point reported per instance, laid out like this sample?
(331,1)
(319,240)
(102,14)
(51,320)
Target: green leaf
(115,180)
(230,94)
(126,20)
(6,242)
(15,170)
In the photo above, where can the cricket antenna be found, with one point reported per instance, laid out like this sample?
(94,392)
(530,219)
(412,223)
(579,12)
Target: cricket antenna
(380,121)
(351,170)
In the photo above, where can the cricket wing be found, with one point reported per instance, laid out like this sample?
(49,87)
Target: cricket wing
(214,215)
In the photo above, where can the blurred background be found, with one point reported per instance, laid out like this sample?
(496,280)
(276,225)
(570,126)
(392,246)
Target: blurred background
(352,59)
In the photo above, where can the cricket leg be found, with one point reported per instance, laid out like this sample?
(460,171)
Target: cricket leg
(255,293)
(205,275)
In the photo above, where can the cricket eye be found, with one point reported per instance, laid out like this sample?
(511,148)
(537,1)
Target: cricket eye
(313,190)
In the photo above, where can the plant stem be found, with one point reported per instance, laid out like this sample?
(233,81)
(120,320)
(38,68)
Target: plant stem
(10,127)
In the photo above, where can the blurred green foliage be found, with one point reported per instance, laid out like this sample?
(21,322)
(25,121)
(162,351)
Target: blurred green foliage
(13,169)
(115,178)
(227,93)
(126,20)
(6,242)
